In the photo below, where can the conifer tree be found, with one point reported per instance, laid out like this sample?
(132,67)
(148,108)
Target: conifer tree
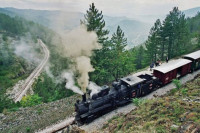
(176,32)
(153,43)
(140,55)
(95,22)
(169,39)
(119,42)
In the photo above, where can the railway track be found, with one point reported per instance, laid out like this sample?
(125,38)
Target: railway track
(30,80)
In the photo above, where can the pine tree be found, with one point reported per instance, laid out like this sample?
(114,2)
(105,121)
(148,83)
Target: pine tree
(95,22)
(153,43)
(176,33)
(169,39)
(119,42)
(140,54)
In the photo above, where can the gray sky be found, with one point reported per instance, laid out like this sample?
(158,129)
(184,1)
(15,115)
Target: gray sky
(129,8)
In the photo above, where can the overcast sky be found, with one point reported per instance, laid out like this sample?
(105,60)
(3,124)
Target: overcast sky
(129,8)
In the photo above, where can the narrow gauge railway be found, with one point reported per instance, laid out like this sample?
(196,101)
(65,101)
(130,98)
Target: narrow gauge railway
(30,80)
(123,91)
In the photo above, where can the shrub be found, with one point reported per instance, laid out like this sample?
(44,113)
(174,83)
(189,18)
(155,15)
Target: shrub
(160,129)
(28,129)
(138,101)
(128,125)
(177,83)
(173,91)
(31,100)
(174,129)
(184,91)
(7,104)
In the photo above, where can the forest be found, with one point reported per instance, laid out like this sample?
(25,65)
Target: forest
(175,36)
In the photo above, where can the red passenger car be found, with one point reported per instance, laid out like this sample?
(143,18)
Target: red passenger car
(174,69)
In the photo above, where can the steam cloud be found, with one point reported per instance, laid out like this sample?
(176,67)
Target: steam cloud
(69,76)
(79,45)
(27,50)
(94,88)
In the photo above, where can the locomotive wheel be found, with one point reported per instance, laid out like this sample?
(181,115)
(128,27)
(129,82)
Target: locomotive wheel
(79,123)
(89,119)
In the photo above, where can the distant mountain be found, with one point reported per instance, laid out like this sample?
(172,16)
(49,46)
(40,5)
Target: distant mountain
(191,12)
(136,31)
(47,18)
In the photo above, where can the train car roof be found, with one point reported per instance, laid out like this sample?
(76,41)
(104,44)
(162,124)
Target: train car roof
(132,80)
(194,55)
(174,64)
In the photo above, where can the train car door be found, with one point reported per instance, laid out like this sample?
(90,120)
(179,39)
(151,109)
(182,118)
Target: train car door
(179,72)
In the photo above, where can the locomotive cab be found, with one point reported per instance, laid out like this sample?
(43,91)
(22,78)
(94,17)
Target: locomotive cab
(133,84)
(150,83)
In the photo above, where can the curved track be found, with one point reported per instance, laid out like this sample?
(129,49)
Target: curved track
(30,80)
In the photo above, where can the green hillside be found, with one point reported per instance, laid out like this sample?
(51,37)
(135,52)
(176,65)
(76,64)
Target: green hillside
(14,68)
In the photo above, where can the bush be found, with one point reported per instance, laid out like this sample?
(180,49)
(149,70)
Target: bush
(137,101)
(31,100)
(177,83)
(184,91)
(160,129)
(7,104)
(28,129)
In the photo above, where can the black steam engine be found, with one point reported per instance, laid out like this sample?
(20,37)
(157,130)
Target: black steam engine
(110,98)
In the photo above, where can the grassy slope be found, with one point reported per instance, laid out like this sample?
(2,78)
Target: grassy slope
(179,108)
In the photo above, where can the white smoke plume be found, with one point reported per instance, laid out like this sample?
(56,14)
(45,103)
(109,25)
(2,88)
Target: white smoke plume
(94,88)
(79,45)
(84,67)
(80,42)
(70,84)
(48,72)
(27,50)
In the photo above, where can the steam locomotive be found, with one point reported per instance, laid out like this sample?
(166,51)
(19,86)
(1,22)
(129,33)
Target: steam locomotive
(123,91)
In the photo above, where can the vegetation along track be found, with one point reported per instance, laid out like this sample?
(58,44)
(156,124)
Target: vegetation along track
(30,80)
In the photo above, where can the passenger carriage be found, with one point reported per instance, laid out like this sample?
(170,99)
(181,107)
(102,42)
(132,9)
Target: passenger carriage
(172,70)
(195,58)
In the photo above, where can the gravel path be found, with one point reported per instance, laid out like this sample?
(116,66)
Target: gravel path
(98,123)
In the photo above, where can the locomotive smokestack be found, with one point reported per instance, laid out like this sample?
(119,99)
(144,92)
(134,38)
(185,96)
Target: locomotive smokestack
(84,97)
